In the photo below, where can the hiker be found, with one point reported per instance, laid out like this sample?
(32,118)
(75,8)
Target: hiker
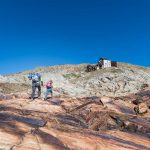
(36,83)
(49,89)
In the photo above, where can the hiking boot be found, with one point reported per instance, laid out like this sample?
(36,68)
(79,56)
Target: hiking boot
(32,99)
(39,97)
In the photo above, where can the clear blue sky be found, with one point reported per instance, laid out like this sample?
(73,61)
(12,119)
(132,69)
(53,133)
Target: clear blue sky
(51,32)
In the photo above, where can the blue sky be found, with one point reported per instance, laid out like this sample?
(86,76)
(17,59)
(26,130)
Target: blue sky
(51,32)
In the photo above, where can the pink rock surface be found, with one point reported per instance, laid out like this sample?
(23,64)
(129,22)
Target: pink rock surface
(72,124)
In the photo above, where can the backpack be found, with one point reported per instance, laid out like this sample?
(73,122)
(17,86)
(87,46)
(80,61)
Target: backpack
(36,78)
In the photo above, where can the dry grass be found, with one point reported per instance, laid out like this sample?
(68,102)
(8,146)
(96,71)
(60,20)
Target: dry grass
(8,88)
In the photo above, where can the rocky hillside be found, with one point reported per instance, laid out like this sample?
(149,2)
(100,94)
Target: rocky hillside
(73,80)
(78,117)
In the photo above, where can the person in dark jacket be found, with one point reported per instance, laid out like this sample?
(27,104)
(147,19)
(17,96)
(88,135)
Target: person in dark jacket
(36,84)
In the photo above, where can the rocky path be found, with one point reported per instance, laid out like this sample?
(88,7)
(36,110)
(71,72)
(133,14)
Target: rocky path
(65,123)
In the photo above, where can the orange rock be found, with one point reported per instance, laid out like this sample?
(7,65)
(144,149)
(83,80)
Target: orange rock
(106,100)
(142,108)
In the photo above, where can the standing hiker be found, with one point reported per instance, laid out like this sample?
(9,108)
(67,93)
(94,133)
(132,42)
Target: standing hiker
(36,83)
(49,89)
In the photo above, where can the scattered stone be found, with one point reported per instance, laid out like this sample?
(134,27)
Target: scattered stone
(143,86)
(141,108)
(6,97)
(106,100)
(2,97)
(56,101)
(137,101)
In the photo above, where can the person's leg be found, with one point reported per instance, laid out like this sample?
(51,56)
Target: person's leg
(51,91)
(39,90)
(33,90)
(47,93)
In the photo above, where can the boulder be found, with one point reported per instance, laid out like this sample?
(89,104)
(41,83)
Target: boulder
(137,101)
(6,97)
(105,100)
(141,108)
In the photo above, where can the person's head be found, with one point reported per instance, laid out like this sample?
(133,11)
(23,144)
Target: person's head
(50,81)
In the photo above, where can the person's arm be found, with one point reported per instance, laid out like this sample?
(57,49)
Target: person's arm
(40,80)
(39,77)
(44,85)
(30,76)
